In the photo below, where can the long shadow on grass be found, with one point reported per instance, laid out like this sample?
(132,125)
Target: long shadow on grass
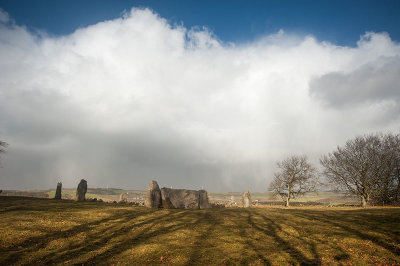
(36,243)
(19,203)
(181,219)
(272,230)
(314,215)
(249,243)
(200,240)
(100,239)
(307,229)
(378,220)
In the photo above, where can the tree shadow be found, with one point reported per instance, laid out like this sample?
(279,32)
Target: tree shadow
(142,224)
(260,232)
(29,204)
(327,219)
(101,239)
(202,238)
(33,244)
(145,234)
(272,228)
(249,243)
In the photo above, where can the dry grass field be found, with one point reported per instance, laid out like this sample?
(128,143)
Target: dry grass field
(44,231)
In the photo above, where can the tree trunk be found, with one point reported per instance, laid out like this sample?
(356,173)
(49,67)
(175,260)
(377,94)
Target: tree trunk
(287,202)
(398,188)
(288,196)
(363,201)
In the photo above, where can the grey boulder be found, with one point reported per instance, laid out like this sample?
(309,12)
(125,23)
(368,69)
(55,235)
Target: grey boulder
(184,198)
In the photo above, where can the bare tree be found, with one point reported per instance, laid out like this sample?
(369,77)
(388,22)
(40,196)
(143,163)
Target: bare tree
(396,166)
(359,167)
(3,144)
(388,188)
(296,177)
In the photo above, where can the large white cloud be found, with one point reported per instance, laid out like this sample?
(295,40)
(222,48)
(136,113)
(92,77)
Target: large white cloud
(133,99)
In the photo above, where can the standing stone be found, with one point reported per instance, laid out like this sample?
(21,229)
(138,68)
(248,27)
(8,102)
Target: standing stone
(231,202)
(184,198)
(123,198)
(180,198)
(81,190)
(153,196)
(58,191)
(246,199)
(203,200)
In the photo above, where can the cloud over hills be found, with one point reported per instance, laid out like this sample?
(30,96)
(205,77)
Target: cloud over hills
(128,100)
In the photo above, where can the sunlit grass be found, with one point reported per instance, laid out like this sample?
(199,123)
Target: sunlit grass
(43,231)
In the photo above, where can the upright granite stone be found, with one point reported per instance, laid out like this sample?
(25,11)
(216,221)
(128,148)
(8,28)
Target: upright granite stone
(203,200)
(246,199)
(81,190)
(184,198)
(153,196)
(58,191)
(123,198)
(231,202)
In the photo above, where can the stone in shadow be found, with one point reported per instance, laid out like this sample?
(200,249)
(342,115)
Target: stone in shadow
(58,191)
(153,196)
(81,190)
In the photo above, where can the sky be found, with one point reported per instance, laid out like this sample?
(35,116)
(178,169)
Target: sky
(340,22)
(192,94)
